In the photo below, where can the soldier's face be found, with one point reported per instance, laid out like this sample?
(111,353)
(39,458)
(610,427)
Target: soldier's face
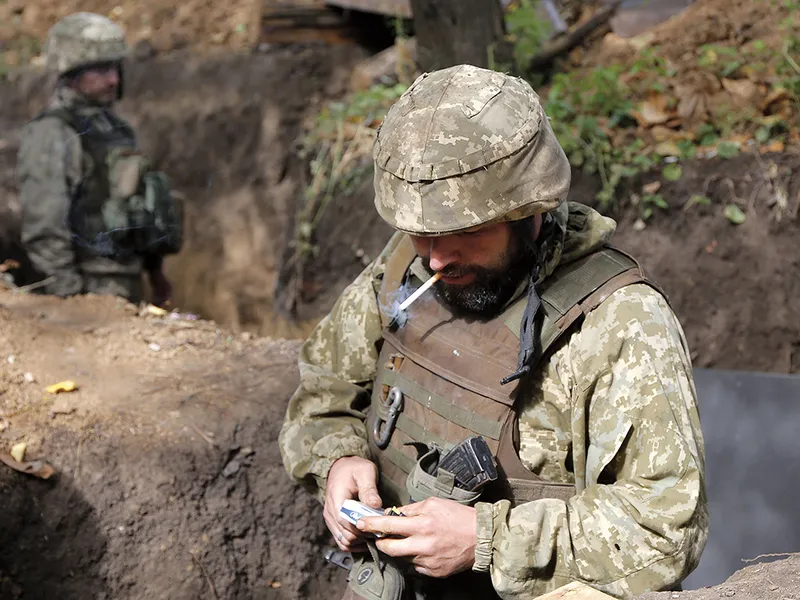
(482,267)
(99,85)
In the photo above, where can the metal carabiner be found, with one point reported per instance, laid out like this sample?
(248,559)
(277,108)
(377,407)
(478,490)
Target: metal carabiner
(383,429)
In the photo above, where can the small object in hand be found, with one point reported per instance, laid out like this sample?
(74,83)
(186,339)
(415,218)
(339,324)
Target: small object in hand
(394,512)
(352,510)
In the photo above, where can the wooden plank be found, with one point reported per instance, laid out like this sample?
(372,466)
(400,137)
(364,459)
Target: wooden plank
(576,591)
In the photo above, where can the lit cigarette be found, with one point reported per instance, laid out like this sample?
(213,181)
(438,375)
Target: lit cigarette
(422,289)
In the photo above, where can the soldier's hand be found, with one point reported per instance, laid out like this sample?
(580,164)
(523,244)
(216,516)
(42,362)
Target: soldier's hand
(350,478)
(437,536)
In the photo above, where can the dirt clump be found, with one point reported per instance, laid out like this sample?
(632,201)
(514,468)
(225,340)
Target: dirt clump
(169,479)
(763,581)
(164,25)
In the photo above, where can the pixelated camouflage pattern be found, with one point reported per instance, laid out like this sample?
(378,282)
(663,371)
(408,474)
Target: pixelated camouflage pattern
(466,146)
(619,390)
(51,167)
(82,39)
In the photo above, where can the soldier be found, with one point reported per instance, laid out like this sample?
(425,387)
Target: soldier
(94,214)
(540,341)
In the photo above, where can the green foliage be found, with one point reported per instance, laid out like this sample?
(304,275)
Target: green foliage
(672,172)
(697,199)
(727,149)
(367,107)
(526,31)
(734,214)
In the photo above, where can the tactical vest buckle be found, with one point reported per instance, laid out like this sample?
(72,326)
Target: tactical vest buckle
(383,429)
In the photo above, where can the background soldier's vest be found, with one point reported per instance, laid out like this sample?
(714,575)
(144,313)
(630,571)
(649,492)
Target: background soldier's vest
(122,207)
(448,372)
(101,135)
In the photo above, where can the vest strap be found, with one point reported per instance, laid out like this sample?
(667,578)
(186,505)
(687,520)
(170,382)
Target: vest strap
(443,407)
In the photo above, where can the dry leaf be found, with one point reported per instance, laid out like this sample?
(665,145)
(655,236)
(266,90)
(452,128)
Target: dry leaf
(37,468)
(652,187)
(773,146)
(668,148)
(155,310)
(692,106)
(775,95)
(743,91)
(18,451)
(653,111)
(62,386)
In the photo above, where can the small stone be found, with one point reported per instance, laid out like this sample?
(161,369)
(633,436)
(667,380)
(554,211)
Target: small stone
(12,359)
(639,225)
(18,451)
(154,347)
(29,378)
(231,469)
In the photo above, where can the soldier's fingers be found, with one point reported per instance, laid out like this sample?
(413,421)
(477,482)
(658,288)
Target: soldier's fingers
(346,540)
(398,547)
(367,488)
(402,526)
(412,510)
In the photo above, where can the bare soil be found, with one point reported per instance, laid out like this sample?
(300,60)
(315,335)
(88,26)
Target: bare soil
(164,25)
(169,479)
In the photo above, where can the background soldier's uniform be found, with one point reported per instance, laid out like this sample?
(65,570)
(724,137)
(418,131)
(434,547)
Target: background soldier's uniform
(94,213)
(610,408)
(52,168)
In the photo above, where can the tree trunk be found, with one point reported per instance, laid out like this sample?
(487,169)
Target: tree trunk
(452,32)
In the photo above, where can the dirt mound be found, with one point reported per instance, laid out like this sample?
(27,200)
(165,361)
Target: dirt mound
(165,24)
(225,129)
(721,69)
(169,477)
(767,581)
(732,286)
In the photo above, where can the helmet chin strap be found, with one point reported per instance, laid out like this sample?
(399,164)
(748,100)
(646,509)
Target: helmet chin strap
(527,345)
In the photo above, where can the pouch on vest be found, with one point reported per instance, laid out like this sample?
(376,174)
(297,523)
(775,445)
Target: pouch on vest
(141,214)
(374,579)
(426,480)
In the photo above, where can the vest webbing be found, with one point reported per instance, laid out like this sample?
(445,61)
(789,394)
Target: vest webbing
(449,371)
(94,189)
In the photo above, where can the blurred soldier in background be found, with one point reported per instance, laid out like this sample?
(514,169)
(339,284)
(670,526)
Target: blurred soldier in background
(94,214)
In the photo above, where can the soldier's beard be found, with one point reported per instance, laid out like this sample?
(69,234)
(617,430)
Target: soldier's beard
(491,289)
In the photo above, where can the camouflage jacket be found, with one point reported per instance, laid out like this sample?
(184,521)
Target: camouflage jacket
(614,412)
(51,167)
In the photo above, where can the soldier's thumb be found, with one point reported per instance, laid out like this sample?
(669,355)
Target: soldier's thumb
(367,491)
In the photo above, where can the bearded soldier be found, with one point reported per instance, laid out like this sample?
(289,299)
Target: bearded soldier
(95,216)
(541,344)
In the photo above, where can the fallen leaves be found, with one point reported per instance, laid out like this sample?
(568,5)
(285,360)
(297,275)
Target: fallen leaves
(62,386)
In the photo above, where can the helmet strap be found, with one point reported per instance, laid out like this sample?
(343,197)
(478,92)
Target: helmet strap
(540,249)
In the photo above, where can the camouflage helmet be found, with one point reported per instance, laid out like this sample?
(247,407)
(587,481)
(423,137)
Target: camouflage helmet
(463,147)
(83,39)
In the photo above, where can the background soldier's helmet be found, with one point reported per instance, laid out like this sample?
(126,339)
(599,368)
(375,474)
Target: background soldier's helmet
(83,39)
(463,147)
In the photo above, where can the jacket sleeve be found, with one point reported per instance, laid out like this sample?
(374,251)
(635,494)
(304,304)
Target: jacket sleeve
(640,519)
(49,169)
(338,363)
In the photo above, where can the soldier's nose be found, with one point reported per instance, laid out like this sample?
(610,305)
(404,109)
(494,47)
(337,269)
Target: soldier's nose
(442,254)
